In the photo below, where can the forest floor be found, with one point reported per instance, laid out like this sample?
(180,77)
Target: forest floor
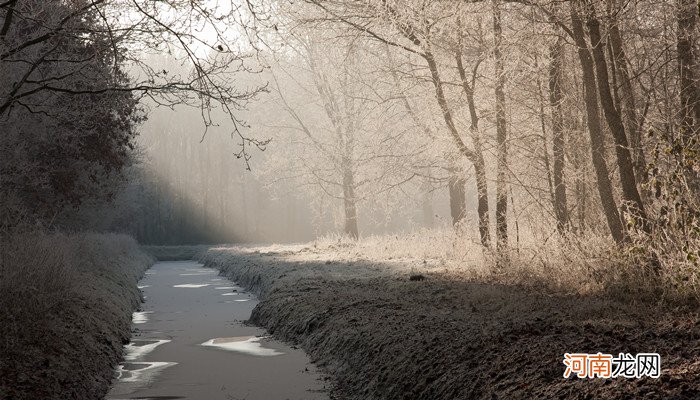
(382,335)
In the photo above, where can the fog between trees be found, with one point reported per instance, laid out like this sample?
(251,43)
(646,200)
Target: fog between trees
(519,165)
(282,121)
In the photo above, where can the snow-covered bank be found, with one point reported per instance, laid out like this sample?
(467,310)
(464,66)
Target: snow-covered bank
(65,312)
(385,336)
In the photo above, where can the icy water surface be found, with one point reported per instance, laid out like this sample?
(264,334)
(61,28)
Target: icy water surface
(189,343)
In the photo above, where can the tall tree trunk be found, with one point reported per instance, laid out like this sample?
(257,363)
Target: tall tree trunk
(594,128)
(576,144)
(545,158)
(689,91)
(543,127)
(478,153)
(561,208)
(427,202)
(690,99)
(545,147)
(427,206)
(458,206)
(628,179)
(501,133)
(349,201)
(476,156)
(482,191)
(631,120)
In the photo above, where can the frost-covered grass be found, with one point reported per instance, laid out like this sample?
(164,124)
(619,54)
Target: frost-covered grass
(575,263)
(579,264)
(65,311)
(353,307)
(583,263)
(175,253)
(440,245)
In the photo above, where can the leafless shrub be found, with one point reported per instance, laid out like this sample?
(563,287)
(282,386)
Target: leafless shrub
(36,273)
(40,273)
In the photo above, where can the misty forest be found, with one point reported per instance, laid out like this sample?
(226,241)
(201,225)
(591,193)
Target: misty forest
(349,199)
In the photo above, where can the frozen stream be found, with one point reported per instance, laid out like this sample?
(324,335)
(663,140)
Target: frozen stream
(189,343)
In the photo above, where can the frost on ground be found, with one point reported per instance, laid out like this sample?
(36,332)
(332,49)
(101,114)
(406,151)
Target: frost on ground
(380,334)
(65,311)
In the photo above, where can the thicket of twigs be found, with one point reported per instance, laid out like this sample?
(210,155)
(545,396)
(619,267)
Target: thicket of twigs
(65,310)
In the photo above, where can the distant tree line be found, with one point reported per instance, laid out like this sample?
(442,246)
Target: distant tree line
(72,74)
(532,117)
(567,117)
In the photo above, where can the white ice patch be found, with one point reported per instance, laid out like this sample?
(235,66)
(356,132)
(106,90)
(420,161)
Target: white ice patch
(140,371)
(242,300)
(226,287)
(242,344)
(136,349)
(230,294)
(143,286)
(140,317)
(192,285)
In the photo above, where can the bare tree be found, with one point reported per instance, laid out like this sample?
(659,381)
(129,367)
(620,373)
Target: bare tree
(594,126)
(501,132)
(122,33)
(614,119)
(561,208)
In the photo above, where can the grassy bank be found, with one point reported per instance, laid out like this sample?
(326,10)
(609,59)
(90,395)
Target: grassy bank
(455,333)
(66,312)
(176,253)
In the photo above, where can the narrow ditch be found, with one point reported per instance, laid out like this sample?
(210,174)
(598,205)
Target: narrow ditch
(190,341)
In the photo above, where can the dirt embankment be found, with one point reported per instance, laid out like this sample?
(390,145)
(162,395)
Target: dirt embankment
(65,312)
(383,336)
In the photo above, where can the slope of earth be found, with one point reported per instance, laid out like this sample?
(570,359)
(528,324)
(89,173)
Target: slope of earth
(65,312)
(385,336)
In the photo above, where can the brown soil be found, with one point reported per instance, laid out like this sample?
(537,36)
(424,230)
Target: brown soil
(384,336)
